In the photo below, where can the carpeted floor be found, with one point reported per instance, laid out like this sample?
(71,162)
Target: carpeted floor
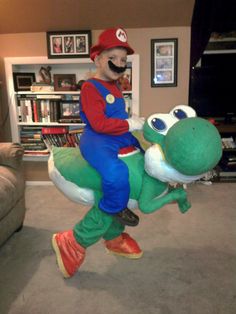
(188,266)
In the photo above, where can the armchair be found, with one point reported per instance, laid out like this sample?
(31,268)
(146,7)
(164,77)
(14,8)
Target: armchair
(12,190)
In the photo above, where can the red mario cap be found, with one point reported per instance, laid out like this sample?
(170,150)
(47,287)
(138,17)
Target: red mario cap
(111,38)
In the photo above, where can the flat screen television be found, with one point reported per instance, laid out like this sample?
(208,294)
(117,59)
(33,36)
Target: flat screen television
(212,90)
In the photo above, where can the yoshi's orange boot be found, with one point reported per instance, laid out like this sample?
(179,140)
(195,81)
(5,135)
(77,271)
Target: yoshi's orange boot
(70,254)
(125,246)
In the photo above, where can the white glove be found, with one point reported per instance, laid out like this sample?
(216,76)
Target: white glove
(135,123)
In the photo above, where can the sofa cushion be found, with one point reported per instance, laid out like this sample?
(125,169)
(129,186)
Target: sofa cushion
(11,189)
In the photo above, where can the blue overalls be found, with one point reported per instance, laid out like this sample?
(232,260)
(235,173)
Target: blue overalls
(101,152)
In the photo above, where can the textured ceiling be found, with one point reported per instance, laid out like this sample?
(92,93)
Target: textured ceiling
(26,16)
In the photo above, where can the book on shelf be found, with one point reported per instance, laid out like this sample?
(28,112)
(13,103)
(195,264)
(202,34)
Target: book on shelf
(38,110)
(43,152)
(39,140)
(34,146)
(47,96)
(60,137)
(75,129)
(41,108)
(55,130)
(31,140)
(35,117)
(26,139)
(35,129)
(41,87)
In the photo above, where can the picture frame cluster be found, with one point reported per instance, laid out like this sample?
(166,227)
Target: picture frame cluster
(164,54)
(69,44)
(61,82)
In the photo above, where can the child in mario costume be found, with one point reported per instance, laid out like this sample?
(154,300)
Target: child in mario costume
(107,132)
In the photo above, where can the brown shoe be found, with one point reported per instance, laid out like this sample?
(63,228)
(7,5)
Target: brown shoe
(127,217)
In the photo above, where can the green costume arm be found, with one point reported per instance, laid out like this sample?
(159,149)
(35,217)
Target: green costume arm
(150,201)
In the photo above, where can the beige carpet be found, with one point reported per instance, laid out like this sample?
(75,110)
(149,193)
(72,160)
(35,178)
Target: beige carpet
(188,267)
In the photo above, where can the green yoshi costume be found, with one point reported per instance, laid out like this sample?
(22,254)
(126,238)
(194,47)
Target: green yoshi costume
(182,149)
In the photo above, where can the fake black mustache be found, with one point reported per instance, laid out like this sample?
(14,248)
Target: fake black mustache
(115,68)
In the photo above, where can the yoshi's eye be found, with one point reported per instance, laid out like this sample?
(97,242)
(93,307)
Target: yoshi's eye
(180,114)
(161,122)
(158,124)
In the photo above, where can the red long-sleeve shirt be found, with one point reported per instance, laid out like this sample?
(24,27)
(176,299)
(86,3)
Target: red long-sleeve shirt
(93,105)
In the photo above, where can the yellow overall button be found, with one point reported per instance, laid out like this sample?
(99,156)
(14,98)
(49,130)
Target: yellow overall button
(110,99)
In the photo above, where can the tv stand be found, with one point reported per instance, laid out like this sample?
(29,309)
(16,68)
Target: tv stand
(229,118)
(226,169)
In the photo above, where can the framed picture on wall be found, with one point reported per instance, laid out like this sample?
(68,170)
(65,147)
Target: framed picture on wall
(164,62)
(69,44)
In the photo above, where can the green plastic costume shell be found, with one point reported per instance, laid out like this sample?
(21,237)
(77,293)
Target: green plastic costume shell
(182,149)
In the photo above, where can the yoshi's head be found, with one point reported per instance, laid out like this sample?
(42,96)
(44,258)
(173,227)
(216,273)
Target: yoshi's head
(184,148)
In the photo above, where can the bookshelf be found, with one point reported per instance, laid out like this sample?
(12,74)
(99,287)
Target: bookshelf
(81,68)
